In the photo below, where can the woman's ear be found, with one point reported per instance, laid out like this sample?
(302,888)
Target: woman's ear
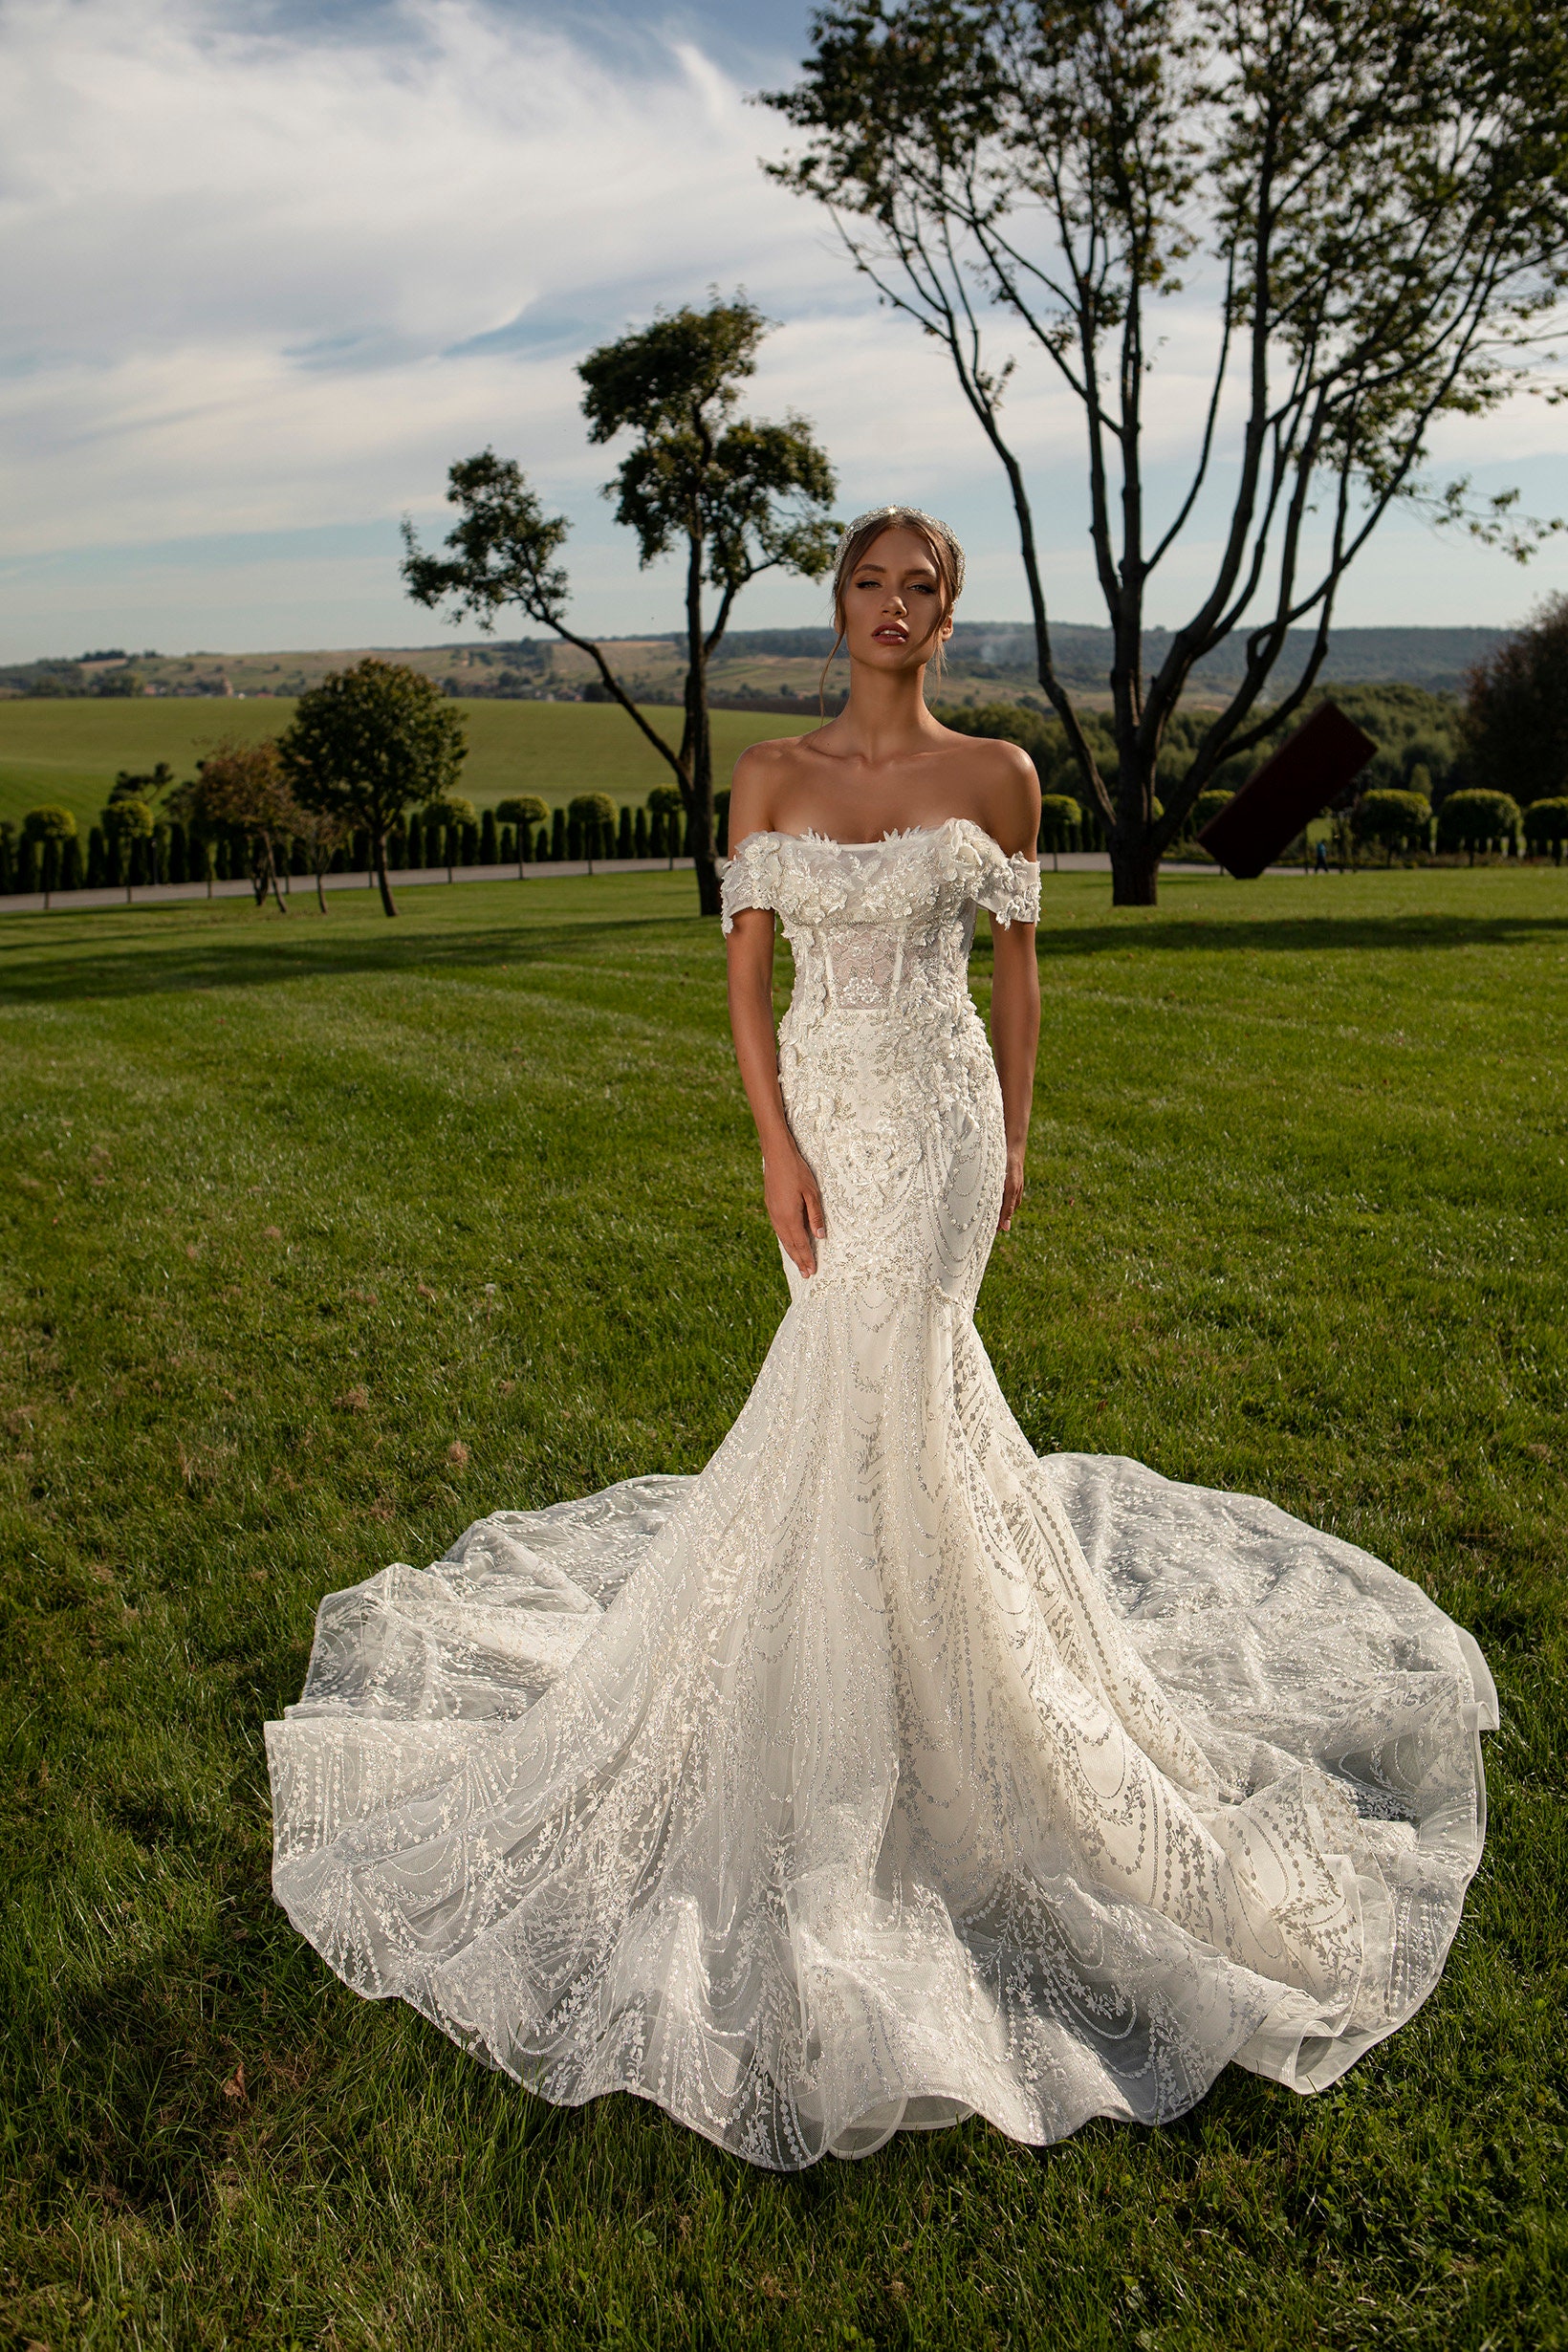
(946,628)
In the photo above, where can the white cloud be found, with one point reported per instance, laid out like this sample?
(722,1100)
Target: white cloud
(261,281)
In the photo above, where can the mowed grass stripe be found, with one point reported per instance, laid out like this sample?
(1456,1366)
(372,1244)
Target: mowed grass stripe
(1293,1225)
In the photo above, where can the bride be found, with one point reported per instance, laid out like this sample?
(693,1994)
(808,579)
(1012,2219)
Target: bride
(887,1773)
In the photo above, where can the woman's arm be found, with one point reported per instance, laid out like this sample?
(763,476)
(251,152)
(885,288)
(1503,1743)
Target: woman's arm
(1014,1043)
(789,1189)
(1013,807)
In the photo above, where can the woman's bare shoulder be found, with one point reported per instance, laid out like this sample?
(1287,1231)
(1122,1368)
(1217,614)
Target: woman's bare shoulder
(1003,779)
(761,771)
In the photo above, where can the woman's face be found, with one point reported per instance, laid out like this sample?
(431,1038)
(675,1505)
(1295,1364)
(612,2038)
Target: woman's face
(893,604)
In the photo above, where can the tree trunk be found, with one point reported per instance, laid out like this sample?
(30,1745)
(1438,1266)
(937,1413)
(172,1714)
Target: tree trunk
(697,744)
(379,853)
(320,885)
(1135,873)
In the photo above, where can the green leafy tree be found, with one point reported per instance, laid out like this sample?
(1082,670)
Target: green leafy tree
(1474,819)
(49,823)
(1059,819)
(366,743)
(733,498)
(1397,820)
(522,808)
(1208,805)
(1515,727)
(150,787)
(1546,826)
(1376,192)
(242,785)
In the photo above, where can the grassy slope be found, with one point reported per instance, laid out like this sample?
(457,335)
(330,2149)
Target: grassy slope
(69,752)
(1295,1226)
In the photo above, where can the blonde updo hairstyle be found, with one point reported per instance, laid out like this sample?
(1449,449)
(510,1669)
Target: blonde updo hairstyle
(863,533)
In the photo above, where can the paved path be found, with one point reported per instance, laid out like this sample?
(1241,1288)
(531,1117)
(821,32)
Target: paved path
(159,894)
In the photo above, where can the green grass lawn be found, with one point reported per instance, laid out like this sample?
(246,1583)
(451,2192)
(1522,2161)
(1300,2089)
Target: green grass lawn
(1295,1225)
(69,752)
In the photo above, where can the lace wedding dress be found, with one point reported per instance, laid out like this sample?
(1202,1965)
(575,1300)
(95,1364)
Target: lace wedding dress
(885,1772)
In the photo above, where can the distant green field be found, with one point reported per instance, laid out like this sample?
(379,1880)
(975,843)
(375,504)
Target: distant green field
(69,752)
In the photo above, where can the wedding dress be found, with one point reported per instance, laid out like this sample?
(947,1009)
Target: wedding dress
(885,1772)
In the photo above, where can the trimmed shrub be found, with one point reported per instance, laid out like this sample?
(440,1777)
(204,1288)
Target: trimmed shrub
(73,874)
(590,813)
(639,836)
(97,866)
(509,846)
(1059,818)
(416,841)
(574,838)
(489,840)
(1397,820)
(397,850)
(522,808)
(468,843)
(557,837)
(1474,820)
(1208,805)
(665,797)
(49,863)
(1546,827)
(8,858)
(623,835)
(27,865)
(360,863)
(49,823)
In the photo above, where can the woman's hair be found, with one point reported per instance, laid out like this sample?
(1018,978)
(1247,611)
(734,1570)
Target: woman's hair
(863,533)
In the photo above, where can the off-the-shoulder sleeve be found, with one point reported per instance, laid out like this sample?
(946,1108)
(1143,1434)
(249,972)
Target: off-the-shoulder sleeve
(745,881)
(1011,891)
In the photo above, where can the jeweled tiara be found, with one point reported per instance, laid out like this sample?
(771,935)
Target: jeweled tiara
(895,513)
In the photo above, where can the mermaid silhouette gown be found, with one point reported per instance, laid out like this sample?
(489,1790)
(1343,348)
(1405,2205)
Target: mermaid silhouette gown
(885,1772)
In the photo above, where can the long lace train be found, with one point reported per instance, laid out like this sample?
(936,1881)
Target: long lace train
(885,1772)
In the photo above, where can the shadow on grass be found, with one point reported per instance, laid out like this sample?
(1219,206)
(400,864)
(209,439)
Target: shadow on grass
(142,957)
(150,965)
(1322,934)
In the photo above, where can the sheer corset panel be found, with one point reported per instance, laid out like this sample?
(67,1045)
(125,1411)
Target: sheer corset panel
(884,1065)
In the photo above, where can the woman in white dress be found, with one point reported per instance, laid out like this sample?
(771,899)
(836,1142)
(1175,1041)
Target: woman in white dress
(886,1773)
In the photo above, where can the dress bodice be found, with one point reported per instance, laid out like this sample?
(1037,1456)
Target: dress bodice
(881,926)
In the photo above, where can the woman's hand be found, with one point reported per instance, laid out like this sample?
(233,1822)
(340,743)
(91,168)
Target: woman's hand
(794,1205)
(1012,1187)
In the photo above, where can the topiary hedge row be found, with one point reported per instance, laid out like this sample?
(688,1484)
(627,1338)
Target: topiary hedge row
(129,846)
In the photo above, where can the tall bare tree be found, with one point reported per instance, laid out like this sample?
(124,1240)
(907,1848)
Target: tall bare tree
(736,498)
(1372,195)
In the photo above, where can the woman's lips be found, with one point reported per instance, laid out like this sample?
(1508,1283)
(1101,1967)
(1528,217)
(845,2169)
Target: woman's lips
(891,636)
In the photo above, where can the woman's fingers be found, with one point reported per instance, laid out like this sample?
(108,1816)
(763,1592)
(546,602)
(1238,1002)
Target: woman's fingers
(794,1208)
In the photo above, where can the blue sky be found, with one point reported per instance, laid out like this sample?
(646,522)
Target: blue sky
(269,268)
